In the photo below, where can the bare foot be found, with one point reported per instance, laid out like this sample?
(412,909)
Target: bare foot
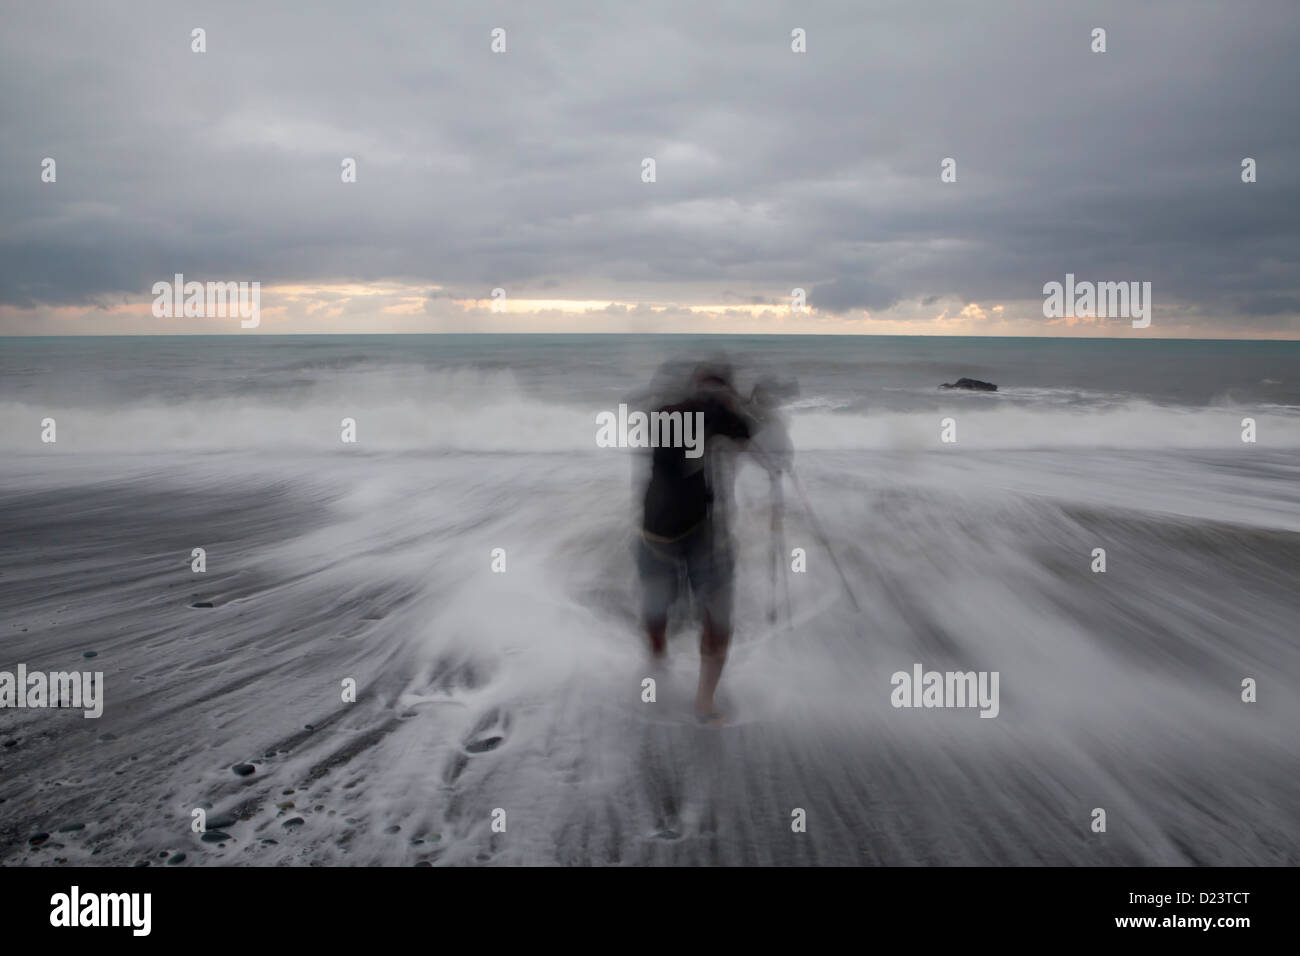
(711,719)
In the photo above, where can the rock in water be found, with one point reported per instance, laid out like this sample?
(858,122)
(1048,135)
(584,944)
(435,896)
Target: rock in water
(243,769)
(973,384)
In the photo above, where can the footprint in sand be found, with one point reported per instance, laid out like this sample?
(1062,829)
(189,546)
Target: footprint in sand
(489,733)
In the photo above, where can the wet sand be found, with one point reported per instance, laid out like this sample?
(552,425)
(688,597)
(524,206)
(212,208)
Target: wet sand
(521,692)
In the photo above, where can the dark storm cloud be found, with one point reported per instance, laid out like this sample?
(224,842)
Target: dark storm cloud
(842,295)
(1270,305)
(775,170)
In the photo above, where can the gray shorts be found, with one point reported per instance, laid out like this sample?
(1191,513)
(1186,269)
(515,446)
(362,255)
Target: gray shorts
(707,563)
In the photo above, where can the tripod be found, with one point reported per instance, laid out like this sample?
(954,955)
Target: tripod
(778,541)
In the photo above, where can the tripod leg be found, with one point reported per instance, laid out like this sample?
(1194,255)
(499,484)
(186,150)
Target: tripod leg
(776,546)
(825,542)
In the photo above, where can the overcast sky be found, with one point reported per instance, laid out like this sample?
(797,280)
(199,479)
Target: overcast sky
(775,170)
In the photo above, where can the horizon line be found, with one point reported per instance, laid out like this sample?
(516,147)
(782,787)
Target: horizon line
(713,334)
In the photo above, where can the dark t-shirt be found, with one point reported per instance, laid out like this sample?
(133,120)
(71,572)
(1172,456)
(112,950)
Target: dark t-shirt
(678,496)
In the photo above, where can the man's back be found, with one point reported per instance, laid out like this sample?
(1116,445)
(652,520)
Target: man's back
(678,496)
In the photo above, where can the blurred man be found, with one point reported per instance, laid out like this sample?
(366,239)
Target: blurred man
(684,532)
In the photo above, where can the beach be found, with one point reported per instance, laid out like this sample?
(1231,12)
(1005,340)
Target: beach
(499,714)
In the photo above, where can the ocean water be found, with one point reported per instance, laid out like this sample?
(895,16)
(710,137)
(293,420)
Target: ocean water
(515,698)
(466,392)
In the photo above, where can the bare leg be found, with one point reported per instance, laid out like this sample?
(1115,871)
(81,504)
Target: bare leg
(713,655)
(656,629)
